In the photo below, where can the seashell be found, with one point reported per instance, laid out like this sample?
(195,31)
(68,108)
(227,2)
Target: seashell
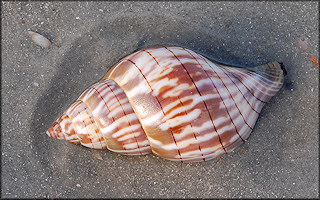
(172,102)
(39,39)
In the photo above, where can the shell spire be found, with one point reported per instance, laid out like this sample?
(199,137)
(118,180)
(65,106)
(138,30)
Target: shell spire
(172,102)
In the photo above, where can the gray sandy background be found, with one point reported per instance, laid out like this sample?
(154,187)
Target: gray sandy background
(280,158)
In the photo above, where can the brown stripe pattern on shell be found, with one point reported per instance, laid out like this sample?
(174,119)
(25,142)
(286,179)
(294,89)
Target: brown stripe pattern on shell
(172,102)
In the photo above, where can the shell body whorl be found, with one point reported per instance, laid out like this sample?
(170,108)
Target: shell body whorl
(172,102)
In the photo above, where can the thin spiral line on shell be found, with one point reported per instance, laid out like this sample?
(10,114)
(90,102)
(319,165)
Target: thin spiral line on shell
(172,102)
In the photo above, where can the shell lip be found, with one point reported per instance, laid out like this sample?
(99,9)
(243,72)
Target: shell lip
(283,69)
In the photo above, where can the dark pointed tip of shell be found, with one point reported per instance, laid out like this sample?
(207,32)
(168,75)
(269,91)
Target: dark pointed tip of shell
(283,69)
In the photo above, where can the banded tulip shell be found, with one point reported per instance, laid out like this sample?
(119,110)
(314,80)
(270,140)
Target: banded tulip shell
(172,102)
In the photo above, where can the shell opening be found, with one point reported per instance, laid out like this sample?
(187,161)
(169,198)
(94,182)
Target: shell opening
(283,69)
